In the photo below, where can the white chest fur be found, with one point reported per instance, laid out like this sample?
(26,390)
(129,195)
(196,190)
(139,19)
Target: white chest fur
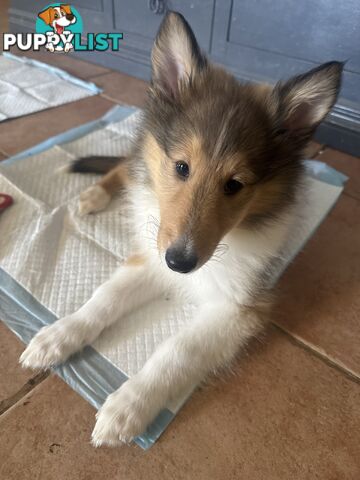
(233,273)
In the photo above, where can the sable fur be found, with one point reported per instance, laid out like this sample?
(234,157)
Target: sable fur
(225,131)
(94,164)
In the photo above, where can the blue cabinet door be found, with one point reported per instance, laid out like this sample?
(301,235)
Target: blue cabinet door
(140,22)
(266,40)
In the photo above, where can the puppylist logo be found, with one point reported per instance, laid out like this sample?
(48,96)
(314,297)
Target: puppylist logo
(59,23)
(59,28)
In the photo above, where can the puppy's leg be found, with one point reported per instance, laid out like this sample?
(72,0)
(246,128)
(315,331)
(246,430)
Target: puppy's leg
(182,361)
(131,286)
(98,196)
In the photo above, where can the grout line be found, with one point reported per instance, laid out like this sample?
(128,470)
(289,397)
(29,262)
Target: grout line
(321,356)
(24,390)
(354,197)
(118,102)
(111,99)
(2,152)
(92,77)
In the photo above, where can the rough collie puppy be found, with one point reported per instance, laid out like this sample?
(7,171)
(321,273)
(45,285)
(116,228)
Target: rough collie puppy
(217,170)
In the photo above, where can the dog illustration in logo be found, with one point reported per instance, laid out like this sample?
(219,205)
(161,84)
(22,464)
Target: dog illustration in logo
(58,18)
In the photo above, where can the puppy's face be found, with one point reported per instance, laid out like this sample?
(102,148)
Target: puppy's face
(58,17)
(223,155)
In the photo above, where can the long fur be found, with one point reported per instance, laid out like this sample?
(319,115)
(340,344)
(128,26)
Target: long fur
(231,242)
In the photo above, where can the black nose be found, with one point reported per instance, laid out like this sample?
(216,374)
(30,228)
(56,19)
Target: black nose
(181,260)
(69,16)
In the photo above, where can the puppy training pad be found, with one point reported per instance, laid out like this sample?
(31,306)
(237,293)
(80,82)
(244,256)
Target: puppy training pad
(28,86)
(52,259)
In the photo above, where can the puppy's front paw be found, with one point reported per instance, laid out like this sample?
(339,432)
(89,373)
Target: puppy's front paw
(93,199)
(50,346)
(125,414)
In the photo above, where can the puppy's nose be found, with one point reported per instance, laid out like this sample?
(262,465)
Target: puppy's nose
(181,259)
(69,16)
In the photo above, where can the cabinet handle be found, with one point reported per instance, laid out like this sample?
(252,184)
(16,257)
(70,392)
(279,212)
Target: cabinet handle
(157,6)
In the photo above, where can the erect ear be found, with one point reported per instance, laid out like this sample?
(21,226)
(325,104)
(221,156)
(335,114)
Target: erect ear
(67,8)
(176,55)
(305,100)
(45,15)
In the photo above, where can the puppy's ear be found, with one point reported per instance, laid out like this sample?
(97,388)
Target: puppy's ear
(176,55)
(46,15)
(305,100)
(67,8)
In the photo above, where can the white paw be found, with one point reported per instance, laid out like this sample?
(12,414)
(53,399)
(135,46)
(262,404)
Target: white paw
(93,199)
(51,345)
(125,414)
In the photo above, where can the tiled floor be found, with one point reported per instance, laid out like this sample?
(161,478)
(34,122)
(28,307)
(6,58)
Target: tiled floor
(292,409)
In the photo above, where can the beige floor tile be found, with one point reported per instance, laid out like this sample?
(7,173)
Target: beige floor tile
(320,292)
(347,164)
(24,132)
(12,376)
(15,382)
(123,88)
(284,414)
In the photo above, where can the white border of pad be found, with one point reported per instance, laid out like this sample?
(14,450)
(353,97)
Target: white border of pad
(89,373)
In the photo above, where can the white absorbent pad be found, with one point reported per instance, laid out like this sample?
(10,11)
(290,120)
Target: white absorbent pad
(52,259)
(28,86)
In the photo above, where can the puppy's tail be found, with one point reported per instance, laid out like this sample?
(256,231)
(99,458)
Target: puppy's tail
(95,164)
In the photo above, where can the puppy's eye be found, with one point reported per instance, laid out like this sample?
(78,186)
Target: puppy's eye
(182,169)
(232,186)
(56,15)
